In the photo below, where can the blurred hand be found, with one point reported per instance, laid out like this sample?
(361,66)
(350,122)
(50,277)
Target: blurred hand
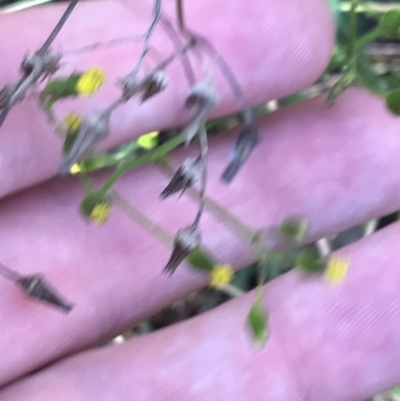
(335,166)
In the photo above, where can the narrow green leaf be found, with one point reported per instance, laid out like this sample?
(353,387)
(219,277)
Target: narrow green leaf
(393,101)
(258,322)
(309,261)
(201,260)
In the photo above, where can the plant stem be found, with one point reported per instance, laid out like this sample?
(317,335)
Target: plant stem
(180,15)
(58,27)
(147,36)
(229,220)
(352,32)
(141,220)
(149,157)
(232,291)
(367,38)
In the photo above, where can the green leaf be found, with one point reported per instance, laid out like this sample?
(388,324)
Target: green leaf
(258,320)
(61,87)
(309,261)
(393,101)
(201,260)
(294,229)
(389,24)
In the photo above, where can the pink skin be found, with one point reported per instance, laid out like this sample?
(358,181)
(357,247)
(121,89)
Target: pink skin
(337,167)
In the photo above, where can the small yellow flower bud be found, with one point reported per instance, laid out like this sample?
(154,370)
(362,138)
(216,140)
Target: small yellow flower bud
(221,275)
(148,141)
(336,270)
(100,213)
(73,121)
(75,169)
(90,81)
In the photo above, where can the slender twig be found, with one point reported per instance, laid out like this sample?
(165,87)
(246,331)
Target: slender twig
(58,27)
(174,37)
(180,15)
(147,36)
(232,291)
(141,220)
(105,45)
(229,220)
(219,61)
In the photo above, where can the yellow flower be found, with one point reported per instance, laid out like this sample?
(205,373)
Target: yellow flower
(75,169)
(336,269)
(101,212)
(220,276)
(73,121)
(148,141)
(90,81)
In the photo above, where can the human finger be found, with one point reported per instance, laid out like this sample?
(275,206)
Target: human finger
(284,46)
(312,159)
(338,344)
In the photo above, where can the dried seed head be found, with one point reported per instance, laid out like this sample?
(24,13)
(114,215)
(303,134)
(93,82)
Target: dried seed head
(130,86)
(151,85)
(186,241)
(46,63)
(37,287)
(244,144)
(205,96)
(185,177)
(154,84)
(94,128)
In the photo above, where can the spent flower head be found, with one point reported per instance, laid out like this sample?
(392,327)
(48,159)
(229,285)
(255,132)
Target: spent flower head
(94,128)
(185,177)
(186,241)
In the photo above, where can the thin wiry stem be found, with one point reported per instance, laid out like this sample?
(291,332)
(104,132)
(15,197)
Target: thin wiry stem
(58,27)
(174,37)
(9,274)
(232,291)
(147,36)
(239,228)
(203,186)
(180,15)
(141,220)
(105,45)
(219,61)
